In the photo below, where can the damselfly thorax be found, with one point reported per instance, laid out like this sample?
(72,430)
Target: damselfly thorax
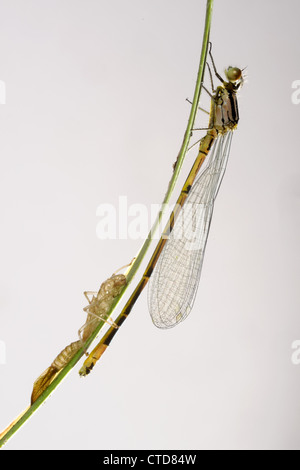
(224,114)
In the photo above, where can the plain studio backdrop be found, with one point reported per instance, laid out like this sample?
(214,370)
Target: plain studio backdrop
(95,108)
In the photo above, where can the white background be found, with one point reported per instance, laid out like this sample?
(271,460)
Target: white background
(95,108)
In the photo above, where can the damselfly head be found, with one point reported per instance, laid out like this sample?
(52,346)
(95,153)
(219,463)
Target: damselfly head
(234,75)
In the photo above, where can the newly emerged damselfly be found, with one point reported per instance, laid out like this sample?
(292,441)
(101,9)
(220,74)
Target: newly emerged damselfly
(174,282)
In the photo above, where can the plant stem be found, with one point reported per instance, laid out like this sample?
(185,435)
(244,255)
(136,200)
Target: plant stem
(6,434)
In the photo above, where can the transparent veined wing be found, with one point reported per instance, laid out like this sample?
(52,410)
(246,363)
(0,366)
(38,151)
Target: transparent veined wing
(174,281)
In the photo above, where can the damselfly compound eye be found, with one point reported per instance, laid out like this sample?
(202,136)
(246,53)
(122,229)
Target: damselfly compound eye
(233,74)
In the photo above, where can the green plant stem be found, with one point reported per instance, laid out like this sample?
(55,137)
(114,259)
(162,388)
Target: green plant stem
(138,260)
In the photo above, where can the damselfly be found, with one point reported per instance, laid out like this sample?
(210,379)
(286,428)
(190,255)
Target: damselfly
(177,269)
(175,279)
